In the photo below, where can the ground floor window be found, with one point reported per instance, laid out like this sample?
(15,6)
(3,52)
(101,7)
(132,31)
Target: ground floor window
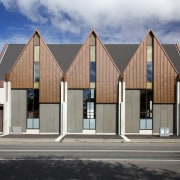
(88,123)
(32,109)
(146,99)
(145,123)
(33,123)
(89,109)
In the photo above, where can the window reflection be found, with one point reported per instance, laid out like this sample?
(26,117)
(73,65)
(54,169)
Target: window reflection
(36,71)
(33,108)
(89,109)
(93,72)
(149,71)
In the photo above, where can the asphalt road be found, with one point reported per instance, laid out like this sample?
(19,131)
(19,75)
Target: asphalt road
(90,161)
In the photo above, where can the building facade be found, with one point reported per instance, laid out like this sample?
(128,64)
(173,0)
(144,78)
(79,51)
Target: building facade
(90,88)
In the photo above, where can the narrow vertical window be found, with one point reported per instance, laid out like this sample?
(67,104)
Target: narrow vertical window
(36,72)
(149,61)
(149,71)
(93,72)
(92,64)
(88,109)
(146,109)
(36,67)
(33,109)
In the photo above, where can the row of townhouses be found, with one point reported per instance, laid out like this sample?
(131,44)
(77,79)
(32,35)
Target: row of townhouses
(90,88)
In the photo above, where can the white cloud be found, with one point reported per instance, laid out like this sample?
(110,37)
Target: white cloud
(114,20)
(19,38)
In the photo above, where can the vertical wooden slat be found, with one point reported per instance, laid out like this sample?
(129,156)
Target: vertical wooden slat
(135,72)
(21,73)
(164,76)
(78,77)
(50,76)
(107,76)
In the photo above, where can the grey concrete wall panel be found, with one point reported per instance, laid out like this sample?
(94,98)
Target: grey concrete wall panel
(75,111)
(49,118)
(132,111)
(163,117)
(18,109)
(99,118)
(106,119)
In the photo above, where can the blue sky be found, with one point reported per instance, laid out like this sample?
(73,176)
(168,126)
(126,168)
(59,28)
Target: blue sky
(70,21)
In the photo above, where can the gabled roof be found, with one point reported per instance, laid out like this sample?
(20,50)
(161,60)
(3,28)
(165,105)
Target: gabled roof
(121,53)
(64,53)
(173,54)
(9,58)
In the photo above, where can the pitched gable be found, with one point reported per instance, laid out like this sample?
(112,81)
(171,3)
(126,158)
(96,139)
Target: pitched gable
(164,72)
(107,75)
(21,74)
(78,72)
(164,75)
(50,76)
(135,71)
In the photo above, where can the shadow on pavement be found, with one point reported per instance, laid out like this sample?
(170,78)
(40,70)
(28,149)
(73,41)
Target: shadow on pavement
(48,168)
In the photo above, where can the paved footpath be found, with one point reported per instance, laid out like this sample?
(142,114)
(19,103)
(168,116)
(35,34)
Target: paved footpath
(89,139)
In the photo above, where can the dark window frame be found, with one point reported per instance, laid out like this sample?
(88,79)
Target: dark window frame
(146,112)
(32,106)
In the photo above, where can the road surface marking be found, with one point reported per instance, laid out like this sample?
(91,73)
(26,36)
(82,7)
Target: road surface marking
(89,159)
(88,150)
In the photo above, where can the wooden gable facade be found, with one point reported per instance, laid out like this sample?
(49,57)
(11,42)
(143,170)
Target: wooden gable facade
(21,74)
(50,74)
(107,74)
(164,76)
(77,74)
(164,73)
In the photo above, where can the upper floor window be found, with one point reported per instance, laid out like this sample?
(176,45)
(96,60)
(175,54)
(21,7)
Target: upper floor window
(36,66)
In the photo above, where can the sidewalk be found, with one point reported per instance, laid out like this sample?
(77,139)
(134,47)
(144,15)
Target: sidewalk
(92,139)
(28,138)
(153,139)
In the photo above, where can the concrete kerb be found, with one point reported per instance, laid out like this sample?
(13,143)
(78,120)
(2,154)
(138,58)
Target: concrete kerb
(155,140)
(62,139)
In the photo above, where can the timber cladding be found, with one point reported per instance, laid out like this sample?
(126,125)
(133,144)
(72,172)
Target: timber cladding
(50,76)
(21,74)
(164,73)
(135,72)
(77,75)
(164,76)
(107,76)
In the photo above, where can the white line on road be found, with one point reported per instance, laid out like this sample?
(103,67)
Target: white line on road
(89,159)
(88,150)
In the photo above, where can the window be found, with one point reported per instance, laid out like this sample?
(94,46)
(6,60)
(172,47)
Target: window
(36,66)
(89,109)
(93,72)
(36,72)
(92,53)
(33,108)
(88,123)
(36,53)
(149,71)
(146,109)
(32,123)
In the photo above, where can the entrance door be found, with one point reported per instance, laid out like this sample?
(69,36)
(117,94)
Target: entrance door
(1,118)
